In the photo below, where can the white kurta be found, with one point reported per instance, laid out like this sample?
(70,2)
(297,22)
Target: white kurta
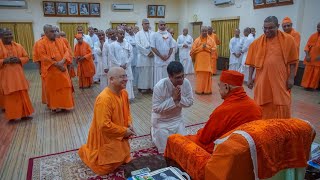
(175,50)
(166,117)
(121,54)
(244,69)
(235,46)
(184,53)
(162,41)
(94,39)
(102,63)
(144,62)
(132,41)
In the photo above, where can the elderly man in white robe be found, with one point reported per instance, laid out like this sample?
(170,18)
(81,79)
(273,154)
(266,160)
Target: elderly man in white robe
(121,55)
(130,37)
(185,42)
(247,40)
(102,63)
(170,95)
(235,46)
(145,61)
(162,46)
(175,46)
(94,39)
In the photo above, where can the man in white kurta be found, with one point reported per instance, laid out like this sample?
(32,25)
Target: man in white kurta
(121,55)
(94,39)
(145,61)
(175,46)
(130,37)
(170,95)
(247,40)
(235,46)
(102,63)
(185,42)
(162,46)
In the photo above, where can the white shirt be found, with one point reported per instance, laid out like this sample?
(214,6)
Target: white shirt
(184,53)
(120,54)
(163,106)
(246,44)
(162,41)
(99,55)
(143,42)
(235,46)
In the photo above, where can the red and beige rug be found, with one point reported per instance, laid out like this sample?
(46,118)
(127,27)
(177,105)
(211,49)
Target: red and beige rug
(68,165)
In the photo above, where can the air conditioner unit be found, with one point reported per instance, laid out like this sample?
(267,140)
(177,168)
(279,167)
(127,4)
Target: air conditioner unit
(13,4)
(122,7)
(221,2)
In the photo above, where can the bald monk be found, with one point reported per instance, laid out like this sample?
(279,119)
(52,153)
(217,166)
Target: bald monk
(55,56)
(63,34)
(13,82)
(237,109)
(83,57)
(201,52)
(108,147)
(311,75)
(36,59)
(272,54)
(214,55)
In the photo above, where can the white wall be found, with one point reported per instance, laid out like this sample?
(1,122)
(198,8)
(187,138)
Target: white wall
(304,14)
(34,14)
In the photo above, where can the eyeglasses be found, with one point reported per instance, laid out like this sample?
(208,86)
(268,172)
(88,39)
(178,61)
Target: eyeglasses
(124,76)
(179,77)
(269,28)
(287,25)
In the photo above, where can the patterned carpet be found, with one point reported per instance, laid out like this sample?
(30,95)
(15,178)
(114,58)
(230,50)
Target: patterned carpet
(68,165)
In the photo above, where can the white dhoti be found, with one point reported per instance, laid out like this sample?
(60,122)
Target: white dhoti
(234,66)
(145,77)
(187,65)
(103,81)
(96,75)
(161,130)
(129,89)
(160,72)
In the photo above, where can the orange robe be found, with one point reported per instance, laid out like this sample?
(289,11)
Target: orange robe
(71,71)
(271,59)
(297,39)
(14,83)
(236,109)
(215,54)
(106,148)
(86,69)
(203,63)
(58,84)
(311,76)
(36,59)
(1,91)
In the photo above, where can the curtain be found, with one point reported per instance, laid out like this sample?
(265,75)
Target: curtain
(114,25)
(174,26)
(225,31)
(71,30)
(22,34)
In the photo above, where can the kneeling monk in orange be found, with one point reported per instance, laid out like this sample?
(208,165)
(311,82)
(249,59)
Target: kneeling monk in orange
(83,57)
(236,109)
(13,82)
(201,51)
(108,147)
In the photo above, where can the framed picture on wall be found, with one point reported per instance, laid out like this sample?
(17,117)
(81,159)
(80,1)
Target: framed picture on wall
(257,4)
(61,8)
(49,8)
(84,9)
(95,9)
(73,9)
(161,11)
(152,11)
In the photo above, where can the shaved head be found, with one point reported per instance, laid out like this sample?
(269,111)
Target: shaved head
(145,21)
(115,71)
(272,19)
(246,31)
(7,37)
(204,31)
(62,34)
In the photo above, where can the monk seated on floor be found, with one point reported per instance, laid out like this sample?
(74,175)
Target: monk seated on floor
(108,145)
(236,109)
(260,149)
